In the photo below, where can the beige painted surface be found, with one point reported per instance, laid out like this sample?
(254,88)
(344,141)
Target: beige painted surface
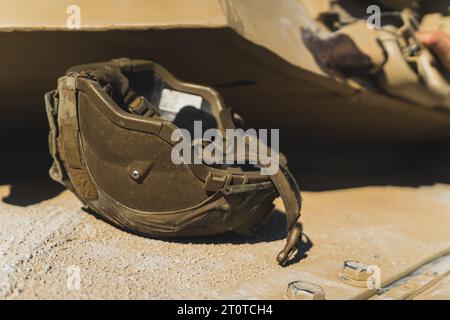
(270,23)
(251,51)
(441,291)
(389,226)
(109,14)
(394,228)
(275,25)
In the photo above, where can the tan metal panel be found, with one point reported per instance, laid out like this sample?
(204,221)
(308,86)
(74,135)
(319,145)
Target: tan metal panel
(109,14)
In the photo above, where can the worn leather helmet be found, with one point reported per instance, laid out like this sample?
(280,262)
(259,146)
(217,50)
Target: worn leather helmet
(110,137)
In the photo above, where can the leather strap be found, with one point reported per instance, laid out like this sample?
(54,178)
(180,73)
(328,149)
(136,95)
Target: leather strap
(289,192)
(290,195)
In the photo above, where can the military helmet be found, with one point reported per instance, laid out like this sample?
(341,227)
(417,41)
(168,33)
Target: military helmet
(111,131)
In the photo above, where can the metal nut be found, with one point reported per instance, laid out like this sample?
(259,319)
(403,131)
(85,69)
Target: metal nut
(303,290)
(355,270)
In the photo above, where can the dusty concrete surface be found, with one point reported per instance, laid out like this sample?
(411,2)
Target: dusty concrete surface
(40,243)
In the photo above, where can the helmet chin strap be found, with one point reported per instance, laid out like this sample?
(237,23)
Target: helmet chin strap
(290,194)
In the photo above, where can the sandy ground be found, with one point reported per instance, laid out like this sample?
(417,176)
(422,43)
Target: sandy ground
(54,249)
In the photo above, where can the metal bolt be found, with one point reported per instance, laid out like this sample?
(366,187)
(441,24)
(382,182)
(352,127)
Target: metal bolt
(135,175)
(304,290)
(355,270)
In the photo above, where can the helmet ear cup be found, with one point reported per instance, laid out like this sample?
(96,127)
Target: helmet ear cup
(117,159)
(186,118)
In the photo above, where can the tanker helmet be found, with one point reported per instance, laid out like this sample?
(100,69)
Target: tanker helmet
(112,126)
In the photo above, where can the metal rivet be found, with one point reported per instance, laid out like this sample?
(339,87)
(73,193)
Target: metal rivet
(135,175)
